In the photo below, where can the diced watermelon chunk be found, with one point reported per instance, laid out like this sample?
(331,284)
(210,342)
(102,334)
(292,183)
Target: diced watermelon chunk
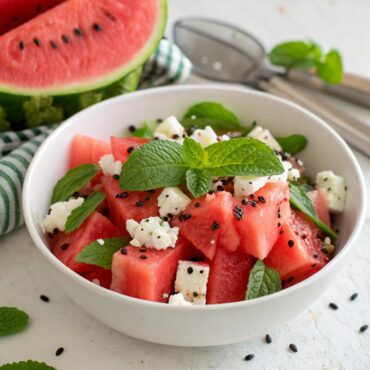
(137,205)
(319,199)
(100,276)
(151,278)
(85,149)
(264,214)
(297,253)
(67,246)
(228,278)
(121,144)
(211,224)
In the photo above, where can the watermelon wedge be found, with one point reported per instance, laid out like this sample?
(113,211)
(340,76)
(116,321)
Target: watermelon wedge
(319,199)
(123,146)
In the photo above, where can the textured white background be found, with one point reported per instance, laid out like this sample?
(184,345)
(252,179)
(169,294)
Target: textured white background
(326,339)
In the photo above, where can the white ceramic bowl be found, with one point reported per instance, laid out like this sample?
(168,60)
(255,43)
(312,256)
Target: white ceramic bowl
(202,325)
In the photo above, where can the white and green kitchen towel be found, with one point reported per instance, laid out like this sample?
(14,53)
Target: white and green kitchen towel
(168,65)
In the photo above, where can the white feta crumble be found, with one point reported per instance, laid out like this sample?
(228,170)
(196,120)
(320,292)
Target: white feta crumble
(224,137)
(172,201)
(178,299)
(247,185)
(264,135)
(109,166)
(170,129)
(165,295)
(283,176)
(293,174)
(152,232)
(191,281)
(100,241)
(205,137)
(327,241)
(59,212)
(335,187)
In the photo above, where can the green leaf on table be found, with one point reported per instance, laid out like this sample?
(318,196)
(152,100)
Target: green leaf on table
(263,280)
(292,144)
(300,201)
(331,70)
(27,365)
(82,212)
(12,320)
(73,181)
(198,182)
(145,131)
(101,254)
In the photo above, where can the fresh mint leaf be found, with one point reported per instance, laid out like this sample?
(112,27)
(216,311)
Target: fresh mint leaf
(73,181)
(27,365)
(292,144)
(242,157)
(194,154)
(300,200)
(81,213)
(263,280)
(331,70)
(145,132)
(156,164)
(101,255)
(12,320)
(4,124)
(199,182)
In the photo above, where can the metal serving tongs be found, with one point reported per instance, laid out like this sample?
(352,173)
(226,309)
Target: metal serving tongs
(223,52)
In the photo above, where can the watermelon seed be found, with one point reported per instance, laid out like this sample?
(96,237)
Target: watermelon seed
(36,41)
(130,149)
(97,27)
(353,296)
(53,45)
(116,177)
(261,199)
(147,198)
(333,306)
(279,224)
(150,191)
(197,204)
(315,255)
(268,339)
(244,202)
(44,298)
(293,347)
(251,196)
(175,136)
(143,250)
(122,195)
(65,39)
(77,32)
(64,246)
(290,279)
(143,256)
(59,351)
(21,45)
(253,203)
(139,203)
(363,328)
(124,251)
(220,188)
(314,265)
(238,213)
(132,128)
(215,226)
(211,192)
(290,243)
(249,357)
(281,232)
(110,16)
(190,270)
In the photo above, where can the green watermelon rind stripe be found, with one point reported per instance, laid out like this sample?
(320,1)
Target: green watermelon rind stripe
(107,79)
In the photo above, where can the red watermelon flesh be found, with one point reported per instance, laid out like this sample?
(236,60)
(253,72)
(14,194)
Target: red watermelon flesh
(211,223)
(103,276)
(148,278)
(260,224)
(67,246)
(122,209)
(121,144)
(16,12)
(80,45)
(297,253)
(319,199)
(228,278)
(85,149)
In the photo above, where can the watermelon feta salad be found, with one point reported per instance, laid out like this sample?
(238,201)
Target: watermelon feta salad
(193,211)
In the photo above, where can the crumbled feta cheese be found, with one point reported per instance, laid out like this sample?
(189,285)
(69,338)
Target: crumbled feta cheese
(191,281)
(335,187)
(152,232)
(100,241)
(59,213)
(327,241)
(179,300)
(224,137)
(172,201)
(265,136)
(170,129)
(109,166)
(293,174)
(246,185)
(205,137)
(165,295)
(283,176)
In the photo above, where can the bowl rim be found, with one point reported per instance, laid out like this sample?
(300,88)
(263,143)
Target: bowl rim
(32,225)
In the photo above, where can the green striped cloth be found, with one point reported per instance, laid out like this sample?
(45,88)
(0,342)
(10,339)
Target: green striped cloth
(168,65)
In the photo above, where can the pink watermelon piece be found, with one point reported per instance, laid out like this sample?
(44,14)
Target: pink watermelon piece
(211,223)
(85,149)
(67,246)
(319,199)
(297,253)
(135,205)
(151,278)
(263,216)
(123,146)
(228,278)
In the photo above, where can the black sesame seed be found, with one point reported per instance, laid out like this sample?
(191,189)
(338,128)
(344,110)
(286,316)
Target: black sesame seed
(36,41)
(293,347)
(190,270)
(65,39)
(150,191)
(363,328)
(268,339)
(159,120)
(53,45)
(211,192)
(97,27)
(166,196)
(201,271)
(244,202)
(353,296)
(122,195)
(279,224)
(261,199)
(215,226)
(249,357)
(116,177)
(143,256)
(238,213)
(184,217)
(147,198)
(77,32)
(64,246)
(124,250)
(44,298)
(197,205)
(143,250)
(290,243)
(175,136)
(59,351)
(132,128)
(333,306)
(220,188)
(130,149)
(314,265)
(315,255)
(21,45)
(195,294)
(251,196)
(253,203)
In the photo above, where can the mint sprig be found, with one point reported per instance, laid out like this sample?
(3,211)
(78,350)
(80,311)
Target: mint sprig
(74,180)
(166,163)
(101,255)
(12,320)
(292,144)
(81,213)
(145,131)
(27,365)
(263,280)
(300,201)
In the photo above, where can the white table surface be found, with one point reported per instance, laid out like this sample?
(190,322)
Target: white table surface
(326,339)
